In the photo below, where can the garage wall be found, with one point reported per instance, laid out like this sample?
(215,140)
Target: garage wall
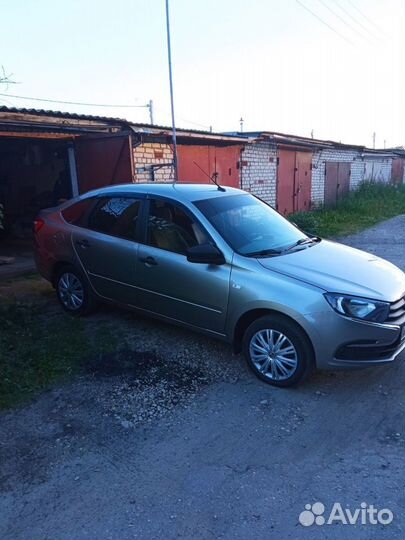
(318,170)
(378,170)
(147,154)
(259,170)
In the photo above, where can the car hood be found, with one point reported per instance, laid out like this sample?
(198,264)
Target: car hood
(338,268)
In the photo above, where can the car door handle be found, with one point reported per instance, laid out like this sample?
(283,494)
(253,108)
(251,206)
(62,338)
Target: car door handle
(148,261)
(83,243)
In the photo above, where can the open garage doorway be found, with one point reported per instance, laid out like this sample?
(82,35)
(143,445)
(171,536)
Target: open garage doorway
(34,174)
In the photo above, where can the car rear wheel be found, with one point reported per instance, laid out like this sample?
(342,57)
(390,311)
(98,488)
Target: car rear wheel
(277,351)
(73,292)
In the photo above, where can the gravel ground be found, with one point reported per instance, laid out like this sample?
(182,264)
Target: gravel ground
(172,437)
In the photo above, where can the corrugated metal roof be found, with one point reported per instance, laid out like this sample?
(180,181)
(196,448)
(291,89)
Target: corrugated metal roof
(287,138)
(61,114)
(149,129)
(137,128)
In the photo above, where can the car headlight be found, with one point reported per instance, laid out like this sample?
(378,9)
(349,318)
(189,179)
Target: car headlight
(359,308)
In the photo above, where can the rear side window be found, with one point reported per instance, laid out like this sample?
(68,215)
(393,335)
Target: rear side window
(77,212)
(116,216)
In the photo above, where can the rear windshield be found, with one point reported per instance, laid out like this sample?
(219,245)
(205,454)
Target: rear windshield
(248,224)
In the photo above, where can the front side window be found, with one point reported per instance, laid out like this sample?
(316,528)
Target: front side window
(116,216)
(248,225)
(170,228)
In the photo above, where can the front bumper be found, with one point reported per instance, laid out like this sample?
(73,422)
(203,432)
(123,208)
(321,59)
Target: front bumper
(340,342)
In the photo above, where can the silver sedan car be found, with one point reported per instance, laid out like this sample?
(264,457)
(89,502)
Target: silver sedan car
(220,261)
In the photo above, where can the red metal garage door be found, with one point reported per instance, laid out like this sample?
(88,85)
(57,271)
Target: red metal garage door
(223,160)
(286,181)
(103,160)
(294,181)
(343,186)
(337,181)
(397,171)
(303,162)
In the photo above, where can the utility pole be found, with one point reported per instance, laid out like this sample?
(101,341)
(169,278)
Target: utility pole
(374,139)
(150,107)
(169,57)
(241,124)
(312,133)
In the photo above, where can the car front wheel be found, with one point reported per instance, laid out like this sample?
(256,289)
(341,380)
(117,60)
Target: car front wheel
(277,351)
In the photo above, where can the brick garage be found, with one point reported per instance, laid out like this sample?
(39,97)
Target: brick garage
(200,155)
(259,170)
(378,166)
(334,154)
(158,154)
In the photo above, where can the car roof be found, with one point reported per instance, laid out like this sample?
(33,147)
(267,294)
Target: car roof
(180,190)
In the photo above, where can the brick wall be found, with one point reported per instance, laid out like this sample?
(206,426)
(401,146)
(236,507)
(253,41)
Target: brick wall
(259,171)
(318,170)
(378,170)
(148,154)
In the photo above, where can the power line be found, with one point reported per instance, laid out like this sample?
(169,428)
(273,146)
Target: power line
(359,23)
(324,22)
(344,20)
(366,17)
(74,102)
(186,120)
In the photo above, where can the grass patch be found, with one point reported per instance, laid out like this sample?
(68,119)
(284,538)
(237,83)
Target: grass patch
(370,204)
(37,351)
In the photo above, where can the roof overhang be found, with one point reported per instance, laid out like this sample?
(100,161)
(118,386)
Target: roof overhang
(149,133)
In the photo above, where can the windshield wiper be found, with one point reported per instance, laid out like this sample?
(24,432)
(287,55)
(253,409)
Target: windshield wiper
(264,253)
(302,241)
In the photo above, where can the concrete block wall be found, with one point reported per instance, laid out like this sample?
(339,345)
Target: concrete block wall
(318,170)
(148,154)
(259,170)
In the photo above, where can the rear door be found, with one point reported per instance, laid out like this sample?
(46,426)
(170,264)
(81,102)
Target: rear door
(103,160)
(169,285)
(107,246)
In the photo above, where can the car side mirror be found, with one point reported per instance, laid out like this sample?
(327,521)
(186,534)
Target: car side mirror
(205,254)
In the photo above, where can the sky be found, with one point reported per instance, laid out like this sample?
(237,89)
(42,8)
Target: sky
(334,67)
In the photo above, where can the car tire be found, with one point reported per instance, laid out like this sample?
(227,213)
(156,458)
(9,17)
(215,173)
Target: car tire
(278,351)
(74,292)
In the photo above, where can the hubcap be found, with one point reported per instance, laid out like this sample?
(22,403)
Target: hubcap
(71,292)
(273,354)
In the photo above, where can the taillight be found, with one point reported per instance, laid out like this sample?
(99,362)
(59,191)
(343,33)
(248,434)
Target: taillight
(38,224)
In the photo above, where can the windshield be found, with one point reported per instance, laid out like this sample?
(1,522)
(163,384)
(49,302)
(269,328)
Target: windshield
(250,226)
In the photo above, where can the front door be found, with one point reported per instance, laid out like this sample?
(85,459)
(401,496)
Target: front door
(169,285)
(107,247)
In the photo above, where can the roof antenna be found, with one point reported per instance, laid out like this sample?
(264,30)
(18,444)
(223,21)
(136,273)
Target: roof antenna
(213,178)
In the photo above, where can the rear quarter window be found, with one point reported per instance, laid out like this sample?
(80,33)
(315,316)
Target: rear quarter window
(76,214)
